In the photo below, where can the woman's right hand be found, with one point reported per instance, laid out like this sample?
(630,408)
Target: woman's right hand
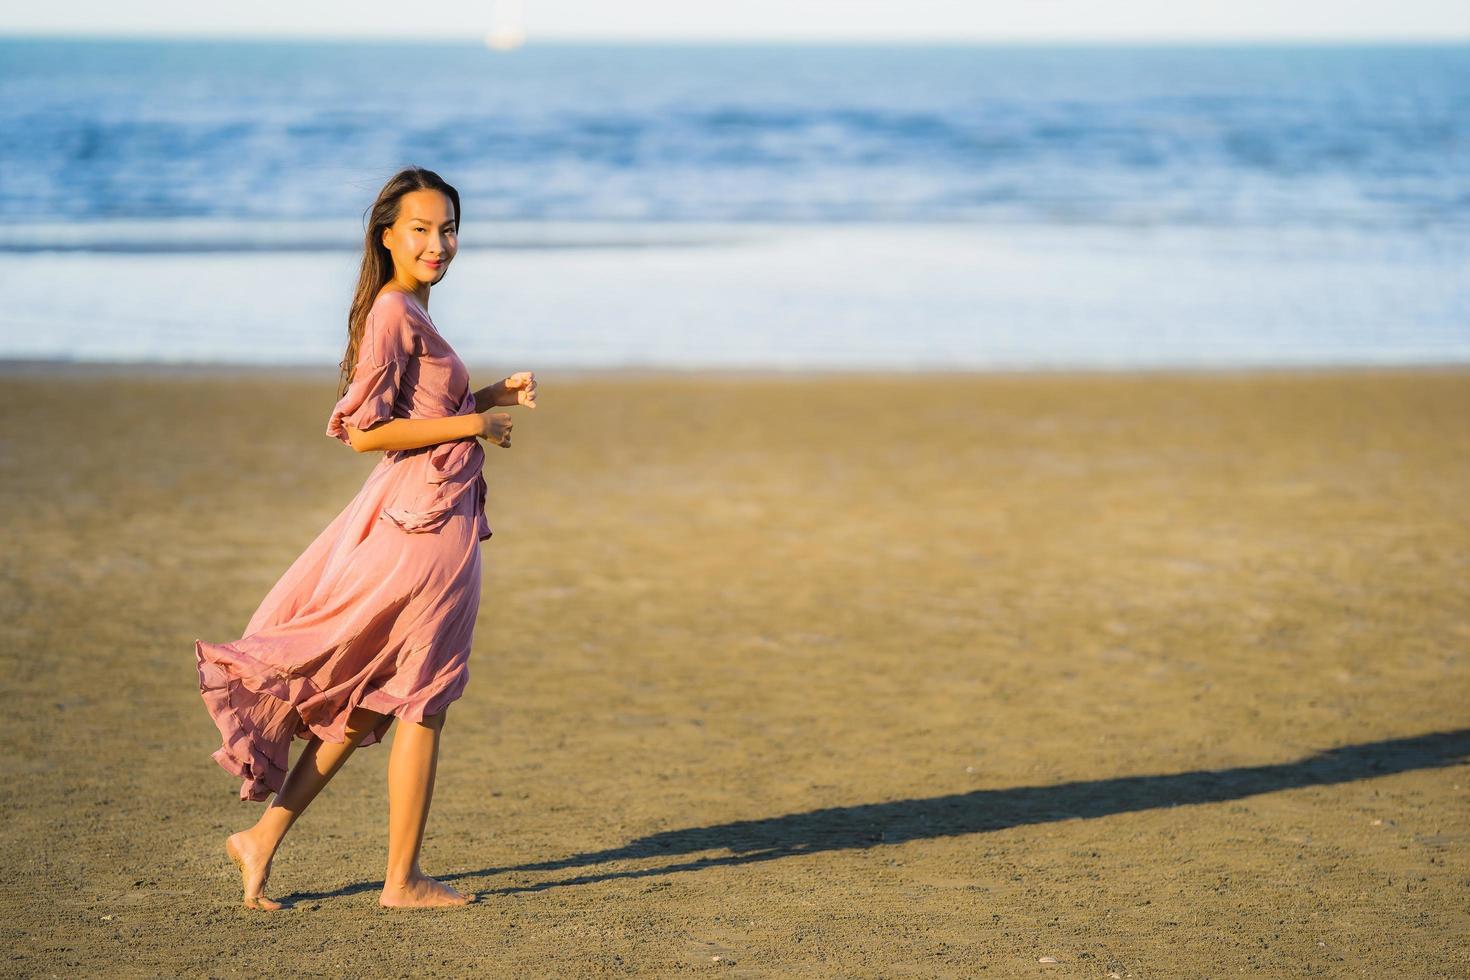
(495,427)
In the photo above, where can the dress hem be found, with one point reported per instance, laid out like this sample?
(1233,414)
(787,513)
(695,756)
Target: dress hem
(243,755)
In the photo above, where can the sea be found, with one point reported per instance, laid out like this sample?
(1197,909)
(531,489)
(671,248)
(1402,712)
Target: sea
(898,207)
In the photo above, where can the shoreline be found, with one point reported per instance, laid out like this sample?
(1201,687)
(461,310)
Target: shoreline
(151,370)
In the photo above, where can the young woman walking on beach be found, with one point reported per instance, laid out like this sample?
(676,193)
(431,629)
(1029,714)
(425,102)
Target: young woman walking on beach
(374,620)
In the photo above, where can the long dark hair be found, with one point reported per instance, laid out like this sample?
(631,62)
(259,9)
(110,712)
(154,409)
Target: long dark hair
(377,261)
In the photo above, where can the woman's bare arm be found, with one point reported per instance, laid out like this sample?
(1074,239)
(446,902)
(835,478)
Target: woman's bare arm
(518,389)
(492,396)
(414,433)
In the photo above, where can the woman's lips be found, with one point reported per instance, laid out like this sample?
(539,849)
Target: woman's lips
(432,265)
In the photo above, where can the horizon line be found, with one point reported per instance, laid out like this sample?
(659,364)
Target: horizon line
(477,38)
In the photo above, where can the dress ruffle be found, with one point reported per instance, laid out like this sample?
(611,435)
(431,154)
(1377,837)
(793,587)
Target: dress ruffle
(249,703)
(255,745)
(368,400)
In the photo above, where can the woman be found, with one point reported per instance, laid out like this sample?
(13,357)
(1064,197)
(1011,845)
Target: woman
(375,619)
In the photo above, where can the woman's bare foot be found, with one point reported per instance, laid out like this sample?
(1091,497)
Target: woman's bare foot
(255,867)
(420,891)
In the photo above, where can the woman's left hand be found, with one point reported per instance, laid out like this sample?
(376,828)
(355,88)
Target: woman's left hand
(522,385)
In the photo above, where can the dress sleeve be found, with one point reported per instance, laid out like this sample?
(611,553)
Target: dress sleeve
(384,352)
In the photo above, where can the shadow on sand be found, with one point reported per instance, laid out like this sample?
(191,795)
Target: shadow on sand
(875,824)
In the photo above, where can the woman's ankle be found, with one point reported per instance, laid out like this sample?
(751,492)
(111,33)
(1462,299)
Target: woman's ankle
(267,836)
(393,879)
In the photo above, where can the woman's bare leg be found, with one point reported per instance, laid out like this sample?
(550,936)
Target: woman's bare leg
(253,849)
(411,770)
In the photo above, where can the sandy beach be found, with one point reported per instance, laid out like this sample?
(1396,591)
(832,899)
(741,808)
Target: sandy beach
(1153,675)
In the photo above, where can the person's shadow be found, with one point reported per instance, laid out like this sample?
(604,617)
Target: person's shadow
(875,824)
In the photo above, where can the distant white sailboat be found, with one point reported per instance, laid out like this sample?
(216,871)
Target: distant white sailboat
(507,26)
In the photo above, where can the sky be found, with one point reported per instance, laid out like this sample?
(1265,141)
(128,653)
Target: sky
(815,20)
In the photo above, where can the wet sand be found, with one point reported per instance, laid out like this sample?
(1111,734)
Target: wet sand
(1156,675)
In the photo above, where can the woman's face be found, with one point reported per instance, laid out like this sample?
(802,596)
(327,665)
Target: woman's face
(424,238)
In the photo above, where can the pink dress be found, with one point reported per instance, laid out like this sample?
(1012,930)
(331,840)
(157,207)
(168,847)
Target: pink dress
(379,610)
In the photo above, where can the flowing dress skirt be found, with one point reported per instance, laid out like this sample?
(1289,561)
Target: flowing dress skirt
(369,615)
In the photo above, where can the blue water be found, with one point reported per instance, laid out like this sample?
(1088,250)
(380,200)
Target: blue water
(1194,135)
(1043,205)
